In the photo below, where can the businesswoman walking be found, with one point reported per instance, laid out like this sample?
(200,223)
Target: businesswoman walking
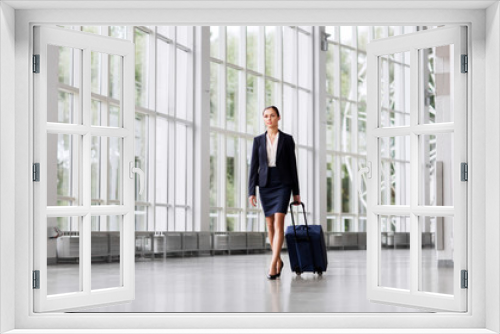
(274,169)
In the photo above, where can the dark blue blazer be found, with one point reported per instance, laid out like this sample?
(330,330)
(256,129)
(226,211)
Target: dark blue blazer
(285,162)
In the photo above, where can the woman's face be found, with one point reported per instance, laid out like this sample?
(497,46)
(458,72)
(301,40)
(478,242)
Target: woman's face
(271,118)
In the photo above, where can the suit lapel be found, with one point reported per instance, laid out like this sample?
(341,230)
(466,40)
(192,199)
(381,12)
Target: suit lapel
(263,143)
(281,139)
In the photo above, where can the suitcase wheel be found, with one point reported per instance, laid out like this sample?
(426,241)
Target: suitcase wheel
(320,273)
(298,272)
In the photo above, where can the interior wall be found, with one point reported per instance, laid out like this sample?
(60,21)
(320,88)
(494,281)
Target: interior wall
(492,150)
(7,167)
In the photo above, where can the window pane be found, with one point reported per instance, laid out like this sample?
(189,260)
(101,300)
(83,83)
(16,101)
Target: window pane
(346,36)
(253,48)
(289,55)
(114,171)
(271,88)
(288,118)
(233,178)
(214,42)
(118,31)
(63,103)
(214,169)
(161,160)
(184,35)
(348,194)
(233,45)
(436,257)
(330,70)
(305,61)
(63,169)
(141,41)
(115,76)
(63,255)
(180,219)
(271,54)
(395,170)
(436,169)
(362,128)
(141,154)
(252,104)
(436,80)
(394,90)
(105,250)
(233,99)
(161,218)
(181,85)
(166,31)
(180,164)
(362,65)
(305,118)
(330,182)
(346,132)
(394,252)
(362,37)
(95,72)
(141,218)
(347,56)
(162,77)
(214,93)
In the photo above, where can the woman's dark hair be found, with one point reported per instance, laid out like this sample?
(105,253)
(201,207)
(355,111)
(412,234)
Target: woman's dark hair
(273,108)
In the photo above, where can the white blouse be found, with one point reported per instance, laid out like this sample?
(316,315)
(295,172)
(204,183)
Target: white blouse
(271,150)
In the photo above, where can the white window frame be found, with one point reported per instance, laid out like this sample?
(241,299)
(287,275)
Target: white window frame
(475,320)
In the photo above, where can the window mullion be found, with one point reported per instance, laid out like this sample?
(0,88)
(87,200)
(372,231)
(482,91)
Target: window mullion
(354,128)
(222,221)
(337,128)
(243,129)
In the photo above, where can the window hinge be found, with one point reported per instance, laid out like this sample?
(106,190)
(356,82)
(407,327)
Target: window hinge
(464,171)
(465,64)
(324,41)
(36,63)
(465,279)
(36,172)
(36,279)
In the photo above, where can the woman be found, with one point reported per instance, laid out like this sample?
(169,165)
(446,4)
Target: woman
(274,170)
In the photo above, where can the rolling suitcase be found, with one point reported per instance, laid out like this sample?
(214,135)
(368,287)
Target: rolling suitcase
(306,246)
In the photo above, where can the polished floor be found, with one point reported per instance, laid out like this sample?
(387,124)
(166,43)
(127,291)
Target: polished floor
(237,283)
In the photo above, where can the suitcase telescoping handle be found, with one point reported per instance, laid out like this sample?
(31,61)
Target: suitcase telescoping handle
(305,218)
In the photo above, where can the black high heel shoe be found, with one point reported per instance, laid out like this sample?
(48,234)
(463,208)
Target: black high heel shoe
(281,268)
(272,277)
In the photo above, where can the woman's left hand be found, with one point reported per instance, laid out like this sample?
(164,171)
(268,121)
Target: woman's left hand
(296,198)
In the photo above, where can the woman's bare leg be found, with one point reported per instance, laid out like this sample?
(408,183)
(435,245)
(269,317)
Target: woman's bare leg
(279,223)
(270,234)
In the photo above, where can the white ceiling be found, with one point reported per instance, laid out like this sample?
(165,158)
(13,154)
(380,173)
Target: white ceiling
(249,4)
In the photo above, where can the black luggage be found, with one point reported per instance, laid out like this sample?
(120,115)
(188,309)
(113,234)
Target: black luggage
(306,246)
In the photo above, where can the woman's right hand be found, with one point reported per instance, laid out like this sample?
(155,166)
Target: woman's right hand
(253,200)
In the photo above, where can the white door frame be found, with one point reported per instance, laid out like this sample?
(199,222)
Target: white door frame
(334,16)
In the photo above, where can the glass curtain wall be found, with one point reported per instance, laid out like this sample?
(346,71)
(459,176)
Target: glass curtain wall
(346,124)
(163,127)
(251,68)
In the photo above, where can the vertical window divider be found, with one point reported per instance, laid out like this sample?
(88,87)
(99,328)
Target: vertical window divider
(319,109)
(261,102)
(223,123)
(151,121)
(337,129)
(354,129)
(243,129)
(104,118)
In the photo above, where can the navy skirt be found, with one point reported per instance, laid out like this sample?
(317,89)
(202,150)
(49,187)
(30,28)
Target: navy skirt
(275,197)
